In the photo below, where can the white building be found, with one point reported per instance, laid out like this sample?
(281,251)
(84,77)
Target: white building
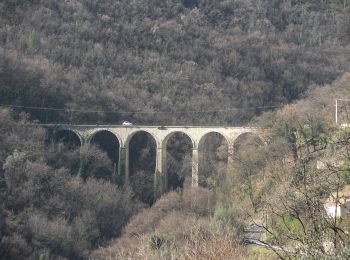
(338,204)
(339,210)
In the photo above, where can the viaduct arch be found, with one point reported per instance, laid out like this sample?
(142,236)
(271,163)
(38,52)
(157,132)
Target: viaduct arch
(161,135)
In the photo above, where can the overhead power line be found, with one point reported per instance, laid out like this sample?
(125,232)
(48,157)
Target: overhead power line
(136,112)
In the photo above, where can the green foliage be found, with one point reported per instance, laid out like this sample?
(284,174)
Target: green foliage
(119,174)
(258,252)
(228,218)
(33,38)
(344,172)
(293,224)
(223,216)
(310,134)
(42,257)
(158,184)
(155,242)
(299,190)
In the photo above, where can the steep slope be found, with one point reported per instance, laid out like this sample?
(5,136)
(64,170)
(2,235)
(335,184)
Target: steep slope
(318,103)
(229,60)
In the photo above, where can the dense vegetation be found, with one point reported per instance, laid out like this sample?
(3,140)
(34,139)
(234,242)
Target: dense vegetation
(276,186)
(45,210)
(175,57)
(171,62)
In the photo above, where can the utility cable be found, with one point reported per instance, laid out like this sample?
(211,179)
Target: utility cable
(136,112)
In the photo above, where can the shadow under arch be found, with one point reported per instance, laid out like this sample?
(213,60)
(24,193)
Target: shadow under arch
(247,139)
(109,143)
(178,146)
(64,149)
(131,136)
(213,157)
(68,137)
(142,162)
(247,174)
(248,154)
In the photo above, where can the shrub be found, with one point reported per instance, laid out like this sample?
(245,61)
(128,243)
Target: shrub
(175,221)
(229,218)
(33,39)
(219,247)
(155,242)
(95,163)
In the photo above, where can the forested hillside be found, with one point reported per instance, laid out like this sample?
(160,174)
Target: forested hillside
(278,64)
(188,59)
(277,186)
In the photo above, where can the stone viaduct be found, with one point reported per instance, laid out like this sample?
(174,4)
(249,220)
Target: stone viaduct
(161,135)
